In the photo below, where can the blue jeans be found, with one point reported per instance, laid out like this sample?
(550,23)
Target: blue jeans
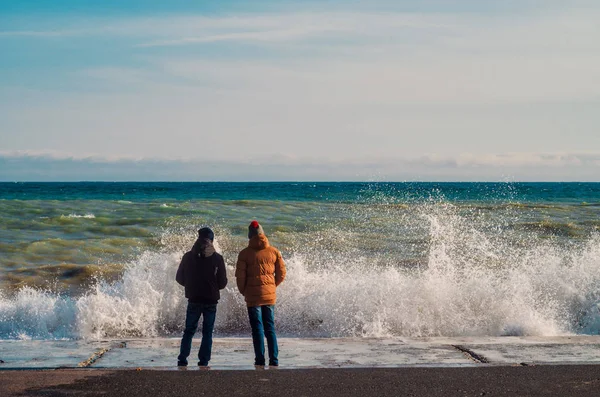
(262,321)
(194,311)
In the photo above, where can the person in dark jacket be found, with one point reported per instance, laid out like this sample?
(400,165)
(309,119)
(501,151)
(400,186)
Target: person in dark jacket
(202,273)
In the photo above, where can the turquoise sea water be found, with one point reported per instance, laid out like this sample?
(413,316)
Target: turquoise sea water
(98,259)
(572,192)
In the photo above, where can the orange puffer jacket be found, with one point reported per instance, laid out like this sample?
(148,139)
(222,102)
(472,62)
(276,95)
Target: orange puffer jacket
(259,270)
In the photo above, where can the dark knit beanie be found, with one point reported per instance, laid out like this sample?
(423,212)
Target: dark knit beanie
(206,232)
(254,229)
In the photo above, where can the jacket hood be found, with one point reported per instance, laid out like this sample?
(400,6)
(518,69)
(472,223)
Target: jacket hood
(203,247)
(258,242)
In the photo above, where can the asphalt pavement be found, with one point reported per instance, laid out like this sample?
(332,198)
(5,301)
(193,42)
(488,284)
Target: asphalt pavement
(542,380)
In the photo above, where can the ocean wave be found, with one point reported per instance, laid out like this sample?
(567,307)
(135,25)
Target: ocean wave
(556,228)
(86,216)
(474,281)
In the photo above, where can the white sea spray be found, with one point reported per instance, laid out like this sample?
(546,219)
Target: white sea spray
(477,278)
(86,216)
(39,314)
(143,303)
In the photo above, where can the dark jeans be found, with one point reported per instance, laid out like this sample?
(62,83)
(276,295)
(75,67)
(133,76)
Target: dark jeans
(262,321)
(194,311)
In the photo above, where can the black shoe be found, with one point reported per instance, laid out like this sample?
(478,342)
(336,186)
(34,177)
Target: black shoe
(181,364)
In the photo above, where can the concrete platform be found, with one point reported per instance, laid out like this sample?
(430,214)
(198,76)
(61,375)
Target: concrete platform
(237,353)
(47,354)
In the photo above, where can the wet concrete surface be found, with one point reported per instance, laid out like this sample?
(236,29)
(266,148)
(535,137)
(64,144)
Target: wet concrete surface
(297,353)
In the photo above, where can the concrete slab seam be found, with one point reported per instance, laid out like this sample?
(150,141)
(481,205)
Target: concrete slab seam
(97,355)
(471,354)
(94,357)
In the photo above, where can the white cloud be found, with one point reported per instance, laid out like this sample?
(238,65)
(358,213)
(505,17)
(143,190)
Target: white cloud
(420,79)
(516,159)
(243,27)
(352,58)
(281,35)
(34,33)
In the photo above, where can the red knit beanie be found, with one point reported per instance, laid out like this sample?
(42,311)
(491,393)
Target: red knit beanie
(254,229)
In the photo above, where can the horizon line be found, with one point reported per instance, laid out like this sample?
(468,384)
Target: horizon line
(297,181)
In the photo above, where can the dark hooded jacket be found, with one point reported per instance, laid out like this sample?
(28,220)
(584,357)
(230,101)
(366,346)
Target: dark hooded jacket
(202,273)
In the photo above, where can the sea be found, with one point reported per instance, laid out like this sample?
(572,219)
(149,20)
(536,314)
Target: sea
(93,260)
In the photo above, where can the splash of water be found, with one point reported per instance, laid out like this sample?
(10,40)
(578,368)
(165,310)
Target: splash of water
(86,216)
(37,314)
(477,278)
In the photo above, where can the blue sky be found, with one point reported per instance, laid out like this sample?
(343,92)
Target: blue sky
(311,90)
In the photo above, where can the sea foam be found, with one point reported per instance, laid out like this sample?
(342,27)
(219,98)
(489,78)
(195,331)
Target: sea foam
(86,216)
(475,281)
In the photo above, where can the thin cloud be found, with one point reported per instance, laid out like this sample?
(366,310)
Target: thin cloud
(181,30)
(69,169)
(266,36)
(33,33)
(516,159)
(53,165)
(48,154)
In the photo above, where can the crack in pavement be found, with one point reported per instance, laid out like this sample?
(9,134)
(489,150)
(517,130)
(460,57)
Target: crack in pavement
(471,354)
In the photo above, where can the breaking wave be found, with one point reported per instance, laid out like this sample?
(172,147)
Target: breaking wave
(477,278)
(86,216)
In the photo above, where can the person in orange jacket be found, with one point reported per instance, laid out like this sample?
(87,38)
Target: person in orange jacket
(259,270)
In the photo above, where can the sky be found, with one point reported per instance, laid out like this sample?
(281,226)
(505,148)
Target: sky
(434,90)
